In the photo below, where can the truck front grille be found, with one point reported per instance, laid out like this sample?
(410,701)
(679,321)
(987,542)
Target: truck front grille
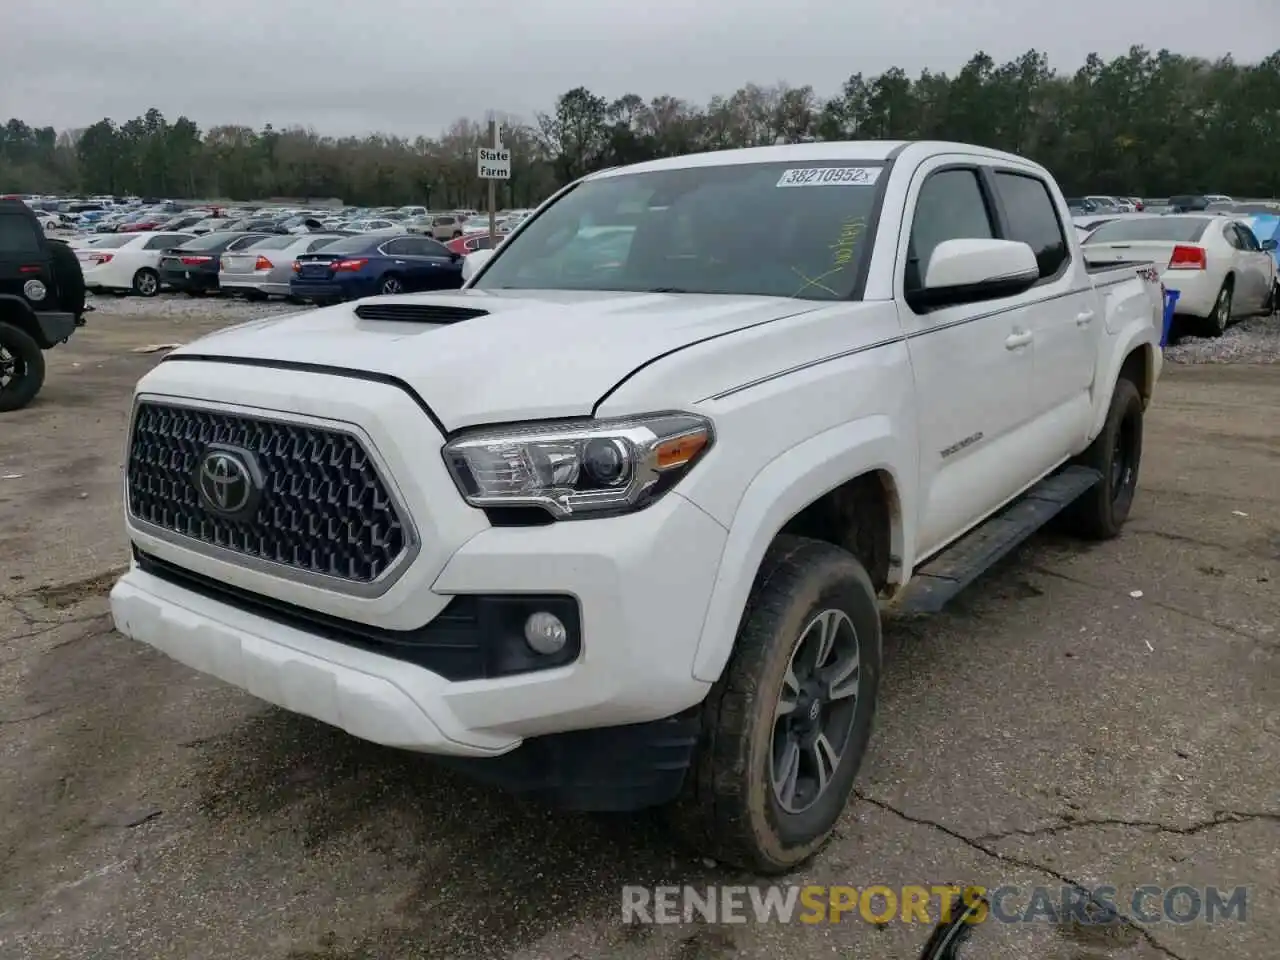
(322,508)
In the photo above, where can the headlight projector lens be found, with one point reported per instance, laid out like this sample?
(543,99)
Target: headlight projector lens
(607,462)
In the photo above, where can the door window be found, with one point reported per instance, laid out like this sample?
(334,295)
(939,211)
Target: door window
(1233,238)
(951,206)
(1033,220)
(397,248)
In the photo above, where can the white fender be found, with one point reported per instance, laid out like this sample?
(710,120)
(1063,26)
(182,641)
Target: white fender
(779,491)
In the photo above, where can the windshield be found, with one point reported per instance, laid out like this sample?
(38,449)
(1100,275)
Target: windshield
(1175,229)
(763,229)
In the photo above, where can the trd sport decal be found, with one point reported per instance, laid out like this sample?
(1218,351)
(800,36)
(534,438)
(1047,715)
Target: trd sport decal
(957,447)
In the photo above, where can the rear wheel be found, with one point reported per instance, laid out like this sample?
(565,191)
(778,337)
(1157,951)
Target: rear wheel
(1220,318)
(21,368)
(390,285)
(786,725)
(1116,454)
(146,282)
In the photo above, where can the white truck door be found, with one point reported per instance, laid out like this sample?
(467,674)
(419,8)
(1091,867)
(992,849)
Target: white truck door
(1061,311)
(972,363)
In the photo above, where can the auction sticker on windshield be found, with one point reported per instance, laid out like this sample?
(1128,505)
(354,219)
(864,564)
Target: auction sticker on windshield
(829,176)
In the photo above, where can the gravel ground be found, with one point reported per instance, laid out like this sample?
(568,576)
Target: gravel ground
(1255,340)
(178,307)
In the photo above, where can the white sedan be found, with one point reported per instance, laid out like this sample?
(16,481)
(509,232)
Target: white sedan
(127,261)
(1216,264)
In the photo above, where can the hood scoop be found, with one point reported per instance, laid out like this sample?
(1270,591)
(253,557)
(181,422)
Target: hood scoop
(417,312)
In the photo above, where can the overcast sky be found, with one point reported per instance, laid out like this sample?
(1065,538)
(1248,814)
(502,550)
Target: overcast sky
(413,67)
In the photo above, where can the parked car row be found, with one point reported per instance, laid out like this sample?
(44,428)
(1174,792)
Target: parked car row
(1220,268)
(314,267)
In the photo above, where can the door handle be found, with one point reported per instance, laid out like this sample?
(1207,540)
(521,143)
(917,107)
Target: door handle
(1018,340)
(1084,319)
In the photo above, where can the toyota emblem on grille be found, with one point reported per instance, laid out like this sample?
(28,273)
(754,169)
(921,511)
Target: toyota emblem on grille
(229,481)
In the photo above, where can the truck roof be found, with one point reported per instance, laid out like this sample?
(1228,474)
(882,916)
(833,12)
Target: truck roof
(845,150)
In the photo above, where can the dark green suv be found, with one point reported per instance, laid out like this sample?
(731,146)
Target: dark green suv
(41,302)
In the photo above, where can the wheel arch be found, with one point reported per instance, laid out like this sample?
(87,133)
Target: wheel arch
(843,486)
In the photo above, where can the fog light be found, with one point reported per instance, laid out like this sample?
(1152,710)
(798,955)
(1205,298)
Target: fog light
(545,633)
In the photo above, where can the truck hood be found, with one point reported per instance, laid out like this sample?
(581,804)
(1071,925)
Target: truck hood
(536,355)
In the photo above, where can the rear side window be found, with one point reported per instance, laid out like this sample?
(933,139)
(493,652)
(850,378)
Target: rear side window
(19,235)
(950,207)
(1033,219)
(242,243)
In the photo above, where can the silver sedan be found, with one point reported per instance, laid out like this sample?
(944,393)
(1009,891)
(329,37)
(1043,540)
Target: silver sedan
(265,269)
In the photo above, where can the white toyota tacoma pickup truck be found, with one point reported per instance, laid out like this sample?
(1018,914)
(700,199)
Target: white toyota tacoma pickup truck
(615,523)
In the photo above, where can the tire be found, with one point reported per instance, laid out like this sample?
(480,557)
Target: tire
(254,296)
(1220,317)
(457,234)
(733,805)
(1117,454)
(390,285)
(21,368)
(146,283)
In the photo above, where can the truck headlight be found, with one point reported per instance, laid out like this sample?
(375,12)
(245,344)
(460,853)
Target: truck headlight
(577,469)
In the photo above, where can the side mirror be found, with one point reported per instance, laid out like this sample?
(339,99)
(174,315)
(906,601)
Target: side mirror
(1269,245)
(967,271)
(473,262)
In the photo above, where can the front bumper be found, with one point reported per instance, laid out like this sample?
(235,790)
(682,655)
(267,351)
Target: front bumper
(641,583)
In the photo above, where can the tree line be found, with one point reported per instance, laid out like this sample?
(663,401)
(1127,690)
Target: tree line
(1143,123)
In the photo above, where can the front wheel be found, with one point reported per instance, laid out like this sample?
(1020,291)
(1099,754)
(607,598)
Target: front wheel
(787,724)
(21,368)
(1116,454)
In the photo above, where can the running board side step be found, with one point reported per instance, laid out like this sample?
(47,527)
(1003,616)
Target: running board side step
(945,575)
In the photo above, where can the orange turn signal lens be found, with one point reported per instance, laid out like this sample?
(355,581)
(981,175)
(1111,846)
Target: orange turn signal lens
(679,451)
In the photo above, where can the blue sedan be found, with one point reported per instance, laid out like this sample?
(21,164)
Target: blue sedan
(372,264)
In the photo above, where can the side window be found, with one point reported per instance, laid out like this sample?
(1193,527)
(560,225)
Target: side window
(163,241)
(950,207)
(19,235)
(1233,237)
(315,245)
(1248,238)
(431,248)
(1033,219)
(397,248)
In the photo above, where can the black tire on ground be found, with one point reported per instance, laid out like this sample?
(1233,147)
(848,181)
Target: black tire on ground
(457,234)
(734,804)
(1220,317)
(194,293)
(146,282)
(390,285)
(22,361)
(1117,455)
(254,296)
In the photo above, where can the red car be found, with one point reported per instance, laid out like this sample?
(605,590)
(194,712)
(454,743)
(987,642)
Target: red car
(471,242)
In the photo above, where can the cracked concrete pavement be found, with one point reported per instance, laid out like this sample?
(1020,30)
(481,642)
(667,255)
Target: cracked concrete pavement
(1052,729)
